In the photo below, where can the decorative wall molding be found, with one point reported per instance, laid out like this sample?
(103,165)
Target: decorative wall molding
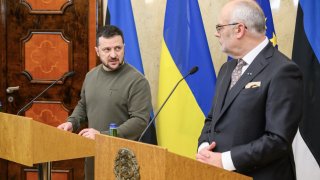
(46,6)
(46,55)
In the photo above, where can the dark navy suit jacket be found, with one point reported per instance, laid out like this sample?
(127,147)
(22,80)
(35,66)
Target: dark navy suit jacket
(258,124)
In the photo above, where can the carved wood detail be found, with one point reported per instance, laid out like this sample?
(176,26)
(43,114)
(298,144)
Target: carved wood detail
(46,6)
(46,55)
(48,112)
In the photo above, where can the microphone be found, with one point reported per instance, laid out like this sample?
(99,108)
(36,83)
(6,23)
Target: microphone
(192,71)
(66,75)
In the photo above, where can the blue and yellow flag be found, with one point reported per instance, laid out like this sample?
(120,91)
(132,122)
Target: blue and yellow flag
(120,14)
(184,46)
(270,33)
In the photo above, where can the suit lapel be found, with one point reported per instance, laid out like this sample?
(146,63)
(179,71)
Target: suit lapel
(258,64)
(223,89)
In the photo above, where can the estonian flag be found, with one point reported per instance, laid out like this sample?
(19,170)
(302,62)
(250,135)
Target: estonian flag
(306,53)
(119,13)
(184,46)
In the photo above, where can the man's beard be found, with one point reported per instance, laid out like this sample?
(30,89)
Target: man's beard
(109,68)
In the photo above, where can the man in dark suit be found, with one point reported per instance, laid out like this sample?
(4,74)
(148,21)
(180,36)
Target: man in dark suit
(258,100)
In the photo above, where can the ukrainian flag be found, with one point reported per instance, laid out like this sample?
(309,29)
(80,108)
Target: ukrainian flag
(184,46)
(270,33)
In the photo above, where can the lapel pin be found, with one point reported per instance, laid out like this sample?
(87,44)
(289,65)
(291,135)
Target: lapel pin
(249,74)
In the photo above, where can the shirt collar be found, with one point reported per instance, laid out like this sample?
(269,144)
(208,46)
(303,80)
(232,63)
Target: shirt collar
(248,58)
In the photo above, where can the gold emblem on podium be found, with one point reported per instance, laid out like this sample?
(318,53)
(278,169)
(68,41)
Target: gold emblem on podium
(126,165)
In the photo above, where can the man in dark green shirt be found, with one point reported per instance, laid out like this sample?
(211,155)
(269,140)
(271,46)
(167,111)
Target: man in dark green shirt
(113,92)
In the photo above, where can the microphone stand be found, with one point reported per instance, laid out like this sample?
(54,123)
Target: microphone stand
(71,73)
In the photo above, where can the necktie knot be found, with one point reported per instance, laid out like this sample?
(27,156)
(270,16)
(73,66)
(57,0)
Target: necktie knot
(241,63)
(237,72)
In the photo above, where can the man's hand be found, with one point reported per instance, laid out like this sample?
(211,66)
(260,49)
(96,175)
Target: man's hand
(207,156)
(67,126)
(89,133)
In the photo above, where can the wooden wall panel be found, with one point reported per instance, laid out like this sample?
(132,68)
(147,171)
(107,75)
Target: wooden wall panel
(46,55)
(32,174)
(46,6)
(51,113)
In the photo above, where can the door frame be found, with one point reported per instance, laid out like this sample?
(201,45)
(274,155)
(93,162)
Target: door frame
(3,54)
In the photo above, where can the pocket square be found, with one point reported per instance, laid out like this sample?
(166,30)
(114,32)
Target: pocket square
(253,85)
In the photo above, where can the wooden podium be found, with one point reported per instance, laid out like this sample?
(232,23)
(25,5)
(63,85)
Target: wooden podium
(28,142)
(154,162)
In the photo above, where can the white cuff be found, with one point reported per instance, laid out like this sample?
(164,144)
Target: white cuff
(203,145)
(227,162)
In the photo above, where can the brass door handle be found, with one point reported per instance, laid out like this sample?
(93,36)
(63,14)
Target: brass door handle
(12,89)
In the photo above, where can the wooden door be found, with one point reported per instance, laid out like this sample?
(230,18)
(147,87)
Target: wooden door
(41,40)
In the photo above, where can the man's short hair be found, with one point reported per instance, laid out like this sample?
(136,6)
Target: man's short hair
(108,31)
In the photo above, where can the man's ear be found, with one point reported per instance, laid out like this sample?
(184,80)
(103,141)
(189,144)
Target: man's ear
(240,30)
(97,50)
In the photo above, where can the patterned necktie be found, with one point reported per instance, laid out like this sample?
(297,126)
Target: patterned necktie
(236,73)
